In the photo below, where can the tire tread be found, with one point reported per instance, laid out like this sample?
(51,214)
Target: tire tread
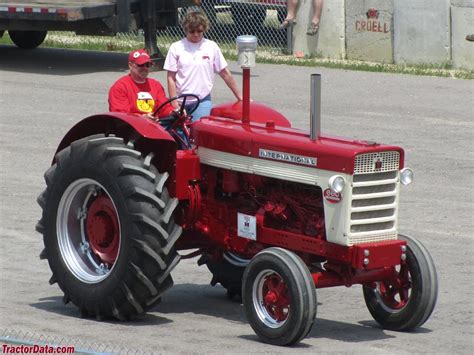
(152,257)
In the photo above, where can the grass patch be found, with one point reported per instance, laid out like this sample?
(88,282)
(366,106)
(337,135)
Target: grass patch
(128,42)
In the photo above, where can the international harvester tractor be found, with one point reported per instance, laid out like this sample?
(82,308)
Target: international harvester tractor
(273,212)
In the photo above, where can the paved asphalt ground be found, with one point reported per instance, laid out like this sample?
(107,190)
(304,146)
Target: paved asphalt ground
(45,91)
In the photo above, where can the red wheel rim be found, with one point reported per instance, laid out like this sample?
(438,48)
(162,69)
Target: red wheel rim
(103,230)
(275,297)
(395,292)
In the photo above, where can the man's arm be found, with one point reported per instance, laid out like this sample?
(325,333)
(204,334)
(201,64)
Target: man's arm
(118,99)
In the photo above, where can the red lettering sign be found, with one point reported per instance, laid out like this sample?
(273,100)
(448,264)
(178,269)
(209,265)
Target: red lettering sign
(371,26)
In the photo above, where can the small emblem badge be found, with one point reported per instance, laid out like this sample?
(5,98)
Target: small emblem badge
(246,226)
(372,13)
(378,164)
(331,196)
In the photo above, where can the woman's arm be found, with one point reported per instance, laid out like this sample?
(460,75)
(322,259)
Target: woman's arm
(231,83)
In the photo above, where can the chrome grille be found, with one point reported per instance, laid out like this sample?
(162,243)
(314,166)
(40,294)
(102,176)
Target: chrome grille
(367,163)
(374,205)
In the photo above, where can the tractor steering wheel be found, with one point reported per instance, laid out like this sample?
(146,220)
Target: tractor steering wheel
(183,104)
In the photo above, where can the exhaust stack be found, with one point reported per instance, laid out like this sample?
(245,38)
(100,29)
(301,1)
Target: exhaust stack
(246,48)
(315,107)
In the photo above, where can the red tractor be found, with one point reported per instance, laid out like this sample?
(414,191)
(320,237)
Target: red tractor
(274,213)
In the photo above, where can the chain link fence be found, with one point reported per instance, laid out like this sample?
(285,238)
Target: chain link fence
(232,18)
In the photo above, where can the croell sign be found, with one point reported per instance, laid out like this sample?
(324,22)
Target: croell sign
(372,23)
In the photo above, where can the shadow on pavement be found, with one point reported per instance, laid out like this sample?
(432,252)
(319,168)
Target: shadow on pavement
(56,305)
(347,332)
(56,61)
(201,299)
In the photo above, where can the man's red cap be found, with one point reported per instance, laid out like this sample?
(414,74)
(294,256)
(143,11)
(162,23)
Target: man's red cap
(139,57)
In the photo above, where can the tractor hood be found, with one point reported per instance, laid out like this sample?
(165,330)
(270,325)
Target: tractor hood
(284,144)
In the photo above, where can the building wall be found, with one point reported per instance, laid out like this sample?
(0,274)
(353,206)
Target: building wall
(369,30)
(390,31)
(462,24)
(421,31)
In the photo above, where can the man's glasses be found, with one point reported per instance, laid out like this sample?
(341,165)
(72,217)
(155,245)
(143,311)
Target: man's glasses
(144,65)
(195,31)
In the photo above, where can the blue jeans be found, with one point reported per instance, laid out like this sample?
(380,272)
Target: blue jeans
(204,108)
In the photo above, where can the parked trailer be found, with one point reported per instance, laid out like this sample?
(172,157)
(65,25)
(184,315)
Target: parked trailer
(28,22)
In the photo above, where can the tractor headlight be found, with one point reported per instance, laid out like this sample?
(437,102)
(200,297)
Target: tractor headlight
(406,176)
(337,183)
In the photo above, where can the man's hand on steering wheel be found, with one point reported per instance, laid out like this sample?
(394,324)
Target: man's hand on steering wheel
(181,110)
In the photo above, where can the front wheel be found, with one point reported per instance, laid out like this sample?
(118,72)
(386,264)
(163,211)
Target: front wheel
(407,300)
(279,297)
(108,228)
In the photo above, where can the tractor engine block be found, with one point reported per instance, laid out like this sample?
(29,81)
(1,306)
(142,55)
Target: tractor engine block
(288,206)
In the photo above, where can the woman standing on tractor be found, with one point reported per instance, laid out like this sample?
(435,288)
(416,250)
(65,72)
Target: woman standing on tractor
(192,63)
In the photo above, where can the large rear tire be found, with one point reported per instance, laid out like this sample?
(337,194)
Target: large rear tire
(279,297)
(27,39)
(406,301)
(108,228)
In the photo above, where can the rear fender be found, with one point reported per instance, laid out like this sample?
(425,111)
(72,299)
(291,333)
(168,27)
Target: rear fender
(147,136)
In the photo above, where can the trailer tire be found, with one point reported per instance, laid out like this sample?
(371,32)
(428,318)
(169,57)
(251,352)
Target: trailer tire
(108,228)
(408,303)
(27,39)
(279,297)
(229,272)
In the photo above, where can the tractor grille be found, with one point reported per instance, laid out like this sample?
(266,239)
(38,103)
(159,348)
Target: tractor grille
(367,163)
(374,207)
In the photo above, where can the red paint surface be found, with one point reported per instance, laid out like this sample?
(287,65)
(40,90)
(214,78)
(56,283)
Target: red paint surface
(231,136)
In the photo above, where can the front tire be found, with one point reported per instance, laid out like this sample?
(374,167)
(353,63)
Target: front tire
(279,297)
(407,301)
(108,228)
